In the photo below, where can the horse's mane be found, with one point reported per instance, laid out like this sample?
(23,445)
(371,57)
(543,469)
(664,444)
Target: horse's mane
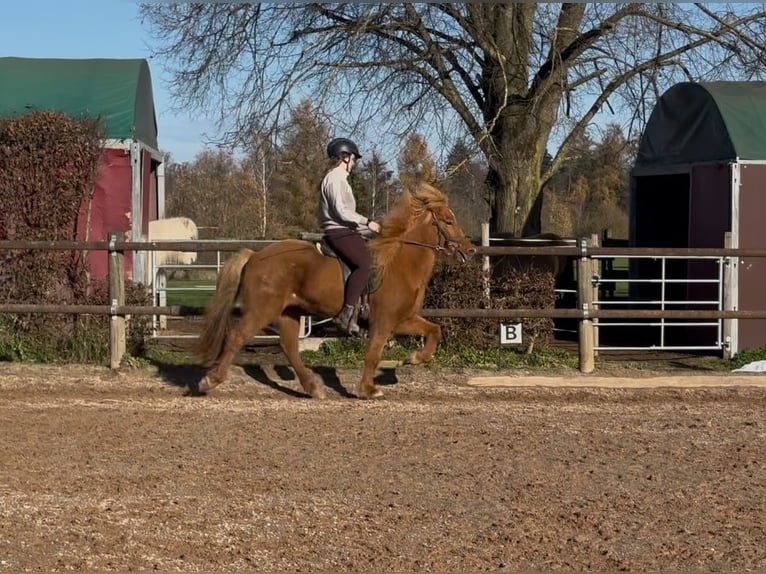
(410,205)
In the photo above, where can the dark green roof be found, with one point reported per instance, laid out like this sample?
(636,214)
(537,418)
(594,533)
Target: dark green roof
(710,121)
(117,91)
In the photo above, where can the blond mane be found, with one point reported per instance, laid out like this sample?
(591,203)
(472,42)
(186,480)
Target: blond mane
(410,205)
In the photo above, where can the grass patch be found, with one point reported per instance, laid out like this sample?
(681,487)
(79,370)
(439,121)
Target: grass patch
(747,356)
(349,353)
(193,293)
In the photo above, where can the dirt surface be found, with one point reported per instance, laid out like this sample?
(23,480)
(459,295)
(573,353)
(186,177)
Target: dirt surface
(107,471)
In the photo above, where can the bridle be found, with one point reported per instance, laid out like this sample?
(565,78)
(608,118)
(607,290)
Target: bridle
(447,244)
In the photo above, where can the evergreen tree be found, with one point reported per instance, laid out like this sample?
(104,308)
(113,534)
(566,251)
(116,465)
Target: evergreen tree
(374,186)
(301,165)
(416,163)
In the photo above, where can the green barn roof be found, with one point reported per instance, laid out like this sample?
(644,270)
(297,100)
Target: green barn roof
(117,91)
(710,121)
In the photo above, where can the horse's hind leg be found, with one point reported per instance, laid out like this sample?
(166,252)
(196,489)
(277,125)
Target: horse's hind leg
(251,322)
(417,325)
(289,330)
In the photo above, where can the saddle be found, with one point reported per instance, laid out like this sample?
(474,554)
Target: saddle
(372,283)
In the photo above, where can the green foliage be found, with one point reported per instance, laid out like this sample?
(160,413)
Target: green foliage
(591,190)
(190,293)
(49,167)
(158,355)
(748,356)
(346,352)
(40,339)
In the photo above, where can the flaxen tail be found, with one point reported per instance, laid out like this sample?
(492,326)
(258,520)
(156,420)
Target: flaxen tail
(218,312)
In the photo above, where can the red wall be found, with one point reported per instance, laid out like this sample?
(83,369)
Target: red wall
(111,205)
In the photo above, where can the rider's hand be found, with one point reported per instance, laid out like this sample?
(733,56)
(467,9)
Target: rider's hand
(374,226)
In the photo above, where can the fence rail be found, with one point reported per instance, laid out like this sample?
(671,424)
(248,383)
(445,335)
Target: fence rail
(586,311)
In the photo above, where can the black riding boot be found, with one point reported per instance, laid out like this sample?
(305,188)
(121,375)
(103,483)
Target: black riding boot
(346,320)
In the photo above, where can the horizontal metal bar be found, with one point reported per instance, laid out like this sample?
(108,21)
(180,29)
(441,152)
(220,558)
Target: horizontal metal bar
(652,302)
(661,348)
(656,280)
(652,324)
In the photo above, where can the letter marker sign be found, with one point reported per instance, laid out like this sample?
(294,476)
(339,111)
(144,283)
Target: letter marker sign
(510,333)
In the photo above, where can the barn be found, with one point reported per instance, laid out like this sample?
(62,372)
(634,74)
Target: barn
(130,185)
(700,177)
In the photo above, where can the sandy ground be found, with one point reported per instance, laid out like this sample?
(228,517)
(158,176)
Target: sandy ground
(111,471)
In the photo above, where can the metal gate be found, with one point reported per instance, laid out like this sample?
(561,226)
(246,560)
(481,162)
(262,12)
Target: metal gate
(673,283)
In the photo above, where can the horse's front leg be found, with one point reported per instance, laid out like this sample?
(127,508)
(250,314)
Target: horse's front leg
(417,325)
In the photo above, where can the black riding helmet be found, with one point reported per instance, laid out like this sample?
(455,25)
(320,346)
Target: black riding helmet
(339,146)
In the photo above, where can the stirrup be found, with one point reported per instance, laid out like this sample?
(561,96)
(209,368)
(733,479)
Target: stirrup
(346,321)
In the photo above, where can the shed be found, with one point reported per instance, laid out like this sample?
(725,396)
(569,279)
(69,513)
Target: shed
(700,176)
(130,185)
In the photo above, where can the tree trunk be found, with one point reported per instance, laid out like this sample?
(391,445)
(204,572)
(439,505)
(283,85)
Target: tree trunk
(514,177)
(521,112)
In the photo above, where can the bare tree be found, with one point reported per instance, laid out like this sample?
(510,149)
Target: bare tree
(373,185)
(216,192)
(517,78)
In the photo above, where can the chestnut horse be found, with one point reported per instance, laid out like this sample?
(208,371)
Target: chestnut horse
(291,278)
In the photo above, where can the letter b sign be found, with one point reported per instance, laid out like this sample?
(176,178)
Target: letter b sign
(510,333)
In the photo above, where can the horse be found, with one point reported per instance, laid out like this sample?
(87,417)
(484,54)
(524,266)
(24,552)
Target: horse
(291,278)
(555,264)
(173,228)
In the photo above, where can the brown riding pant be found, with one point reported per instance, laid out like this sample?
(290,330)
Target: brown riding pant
(352,248)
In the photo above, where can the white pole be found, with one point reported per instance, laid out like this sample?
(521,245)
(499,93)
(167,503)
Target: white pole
(485,261)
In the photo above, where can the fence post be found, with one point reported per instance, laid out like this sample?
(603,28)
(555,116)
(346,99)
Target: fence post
(485,267)
(117,344)
(585,303)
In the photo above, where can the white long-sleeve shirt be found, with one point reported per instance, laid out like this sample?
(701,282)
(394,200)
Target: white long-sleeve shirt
(337,204)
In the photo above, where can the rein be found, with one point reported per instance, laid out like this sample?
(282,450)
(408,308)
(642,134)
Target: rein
(435,246)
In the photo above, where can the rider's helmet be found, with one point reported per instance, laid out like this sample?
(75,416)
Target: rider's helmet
(339,147)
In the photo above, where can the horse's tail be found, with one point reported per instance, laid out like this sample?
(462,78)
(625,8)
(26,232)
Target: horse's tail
(218,312)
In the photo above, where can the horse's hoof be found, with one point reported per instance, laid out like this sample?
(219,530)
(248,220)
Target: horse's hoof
(370,393)
(204,386)
(317,392)
(314,387)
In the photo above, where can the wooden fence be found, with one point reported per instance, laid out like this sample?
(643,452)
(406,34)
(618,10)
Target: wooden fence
(584,252)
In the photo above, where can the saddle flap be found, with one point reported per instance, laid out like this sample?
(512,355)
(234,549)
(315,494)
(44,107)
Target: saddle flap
(325,249)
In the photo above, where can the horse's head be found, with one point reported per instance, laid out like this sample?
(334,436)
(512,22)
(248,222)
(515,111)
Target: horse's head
(450,237)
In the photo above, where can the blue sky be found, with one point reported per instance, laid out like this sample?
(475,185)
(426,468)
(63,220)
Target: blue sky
(99,29)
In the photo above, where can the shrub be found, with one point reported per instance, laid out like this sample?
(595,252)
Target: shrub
(463,287)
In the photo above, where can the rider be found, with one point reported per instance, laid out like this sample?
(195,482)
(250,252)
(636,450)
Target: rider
(344,229)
